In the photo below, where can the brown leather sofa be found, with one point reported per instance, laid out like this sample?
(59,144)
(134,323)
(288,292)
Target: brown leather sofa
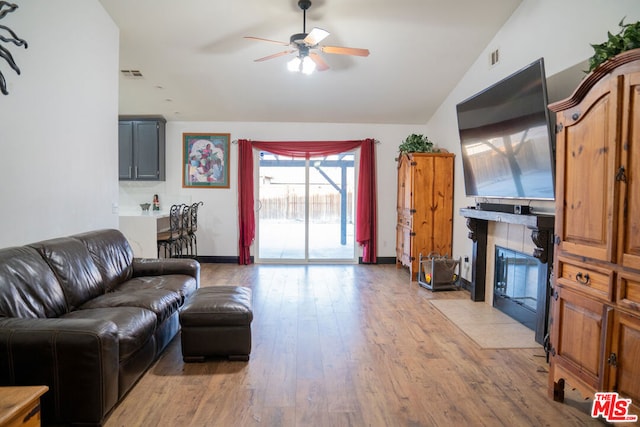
(81,315)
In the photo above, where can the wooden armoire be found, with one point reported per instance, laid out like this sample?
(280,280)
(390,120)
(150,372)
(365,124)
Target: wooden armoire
(595,321)
(424,207)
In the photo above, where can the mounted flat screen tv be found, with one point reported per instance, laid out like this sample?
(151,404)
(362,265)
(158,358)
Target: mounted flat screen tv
(507,144)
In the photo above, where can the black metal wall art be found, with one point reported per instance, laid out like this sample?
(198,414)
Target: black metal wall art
(8,36)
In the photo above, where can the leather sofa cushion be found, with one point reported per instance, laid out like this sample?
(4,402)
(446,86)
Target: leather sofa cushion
(135,325)
(183,285)
(74,268)
(112,254)
(163,266)
(162,302)
(28,287)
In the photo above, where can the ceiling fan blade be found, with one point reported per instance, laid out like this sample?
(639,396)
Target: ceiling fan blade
(345,50)
(315,36)
(266,40)
(321,65)
(275,55)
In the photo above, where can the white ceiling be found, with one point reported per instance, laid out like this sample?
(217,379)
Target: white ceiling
(196,65)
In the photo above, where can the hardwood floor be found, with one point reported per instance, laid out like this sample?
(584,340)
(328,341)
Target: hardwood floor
(347,345)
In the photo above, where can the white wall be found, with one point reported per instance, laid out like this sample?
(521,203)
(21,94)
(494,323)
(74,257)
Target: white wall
(58,132)
(538,28)
(561,32)
(218,218)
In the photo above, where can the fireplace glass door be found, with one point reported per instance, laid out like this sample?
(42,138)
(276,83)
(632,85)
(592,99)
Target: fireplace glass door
(517,279)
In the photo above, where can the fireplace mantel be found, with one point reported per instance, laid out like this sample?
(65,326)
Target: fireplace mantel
(541,227)
(533,221)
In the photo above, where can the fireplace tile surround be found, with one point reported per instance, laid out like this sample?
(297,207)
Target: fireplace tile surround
(530,234)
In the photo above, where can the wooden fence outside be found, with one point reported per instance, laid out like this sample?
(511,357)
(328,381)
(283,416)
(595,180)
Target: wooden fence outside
(323,208)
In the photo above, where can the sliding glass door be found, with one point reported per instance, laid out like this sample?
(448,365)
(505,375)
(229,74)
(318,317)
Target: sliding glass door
(306,208)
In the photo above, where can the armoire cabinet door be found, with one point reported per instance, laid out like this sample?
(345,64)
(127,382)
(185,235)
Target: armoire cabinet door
(624,357)
(404,185)
(586,163)
(403,245)
(628,179)
(578,335)
(403,208)
(422,214)
(442,206)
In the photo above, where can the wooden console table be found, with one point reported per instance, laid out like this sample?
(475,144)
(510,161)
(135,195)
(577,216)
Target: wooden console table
(20,406)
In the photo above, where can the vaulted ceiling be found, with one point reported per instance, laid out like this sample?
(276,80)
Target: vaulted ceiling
(195,63)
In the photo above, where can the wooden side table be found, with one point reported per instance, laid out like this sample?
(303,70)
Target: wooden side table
(20,406)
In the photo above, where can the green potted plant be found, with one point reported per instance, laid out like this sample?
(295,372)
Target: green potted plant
(417,144)
(626,39)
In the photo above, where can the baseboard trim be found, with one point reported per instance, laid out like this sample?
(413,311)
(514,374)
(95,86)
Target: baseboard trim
(208,259)
(381,260)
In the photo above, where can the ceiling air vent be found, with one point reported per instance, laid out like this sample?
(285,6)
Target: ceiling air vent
(131,74)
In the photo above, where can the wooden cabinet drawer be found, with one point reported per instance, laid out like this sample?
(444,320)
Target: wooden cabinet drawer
(592,280)
(628,292)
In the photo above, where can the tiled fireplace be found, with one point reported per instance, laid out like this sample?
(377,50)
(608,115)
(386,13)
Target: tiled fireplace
(511,264)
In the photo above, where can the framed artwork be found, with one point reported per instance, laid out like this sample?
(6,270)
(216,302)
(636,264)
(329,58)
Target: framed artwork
(205,160)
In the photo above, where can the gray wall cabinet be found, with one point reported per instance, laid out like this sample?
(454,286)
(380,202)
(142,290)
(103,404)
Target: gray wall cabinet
(141,149)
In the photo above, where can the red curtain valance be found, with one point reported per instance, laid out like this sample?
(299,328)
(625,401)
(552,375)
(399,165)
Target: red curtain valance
(306,149)
(366,218)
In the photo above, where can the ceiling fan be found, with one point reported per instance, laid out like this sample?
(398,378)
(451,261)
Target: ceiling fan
(305,45)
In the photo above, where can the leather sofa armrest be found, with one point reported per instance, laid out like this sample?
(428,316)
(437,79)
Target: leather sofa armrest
(77,358)
(158,267)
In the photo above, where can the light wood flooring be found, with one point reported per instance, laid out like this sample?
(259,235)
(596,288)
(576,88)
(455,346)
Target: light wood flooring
(347,345)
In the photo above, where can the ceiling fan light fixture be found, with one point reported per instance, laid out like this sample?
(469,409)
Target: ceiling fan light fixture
(306,61)
(294,64)
(304,65)
(308,66)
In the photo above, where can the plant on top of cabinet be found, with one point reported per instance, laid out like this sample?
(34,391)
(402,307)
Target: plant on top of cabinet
(628,38)
(415,143)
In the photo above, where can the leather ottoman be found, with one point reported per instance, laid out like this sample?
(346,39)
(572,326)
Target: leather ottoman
(216,322)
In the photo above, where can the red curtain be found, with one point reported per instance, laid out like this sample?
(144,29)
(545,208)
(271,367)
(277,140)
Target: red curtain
(366,218)
(247,229)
